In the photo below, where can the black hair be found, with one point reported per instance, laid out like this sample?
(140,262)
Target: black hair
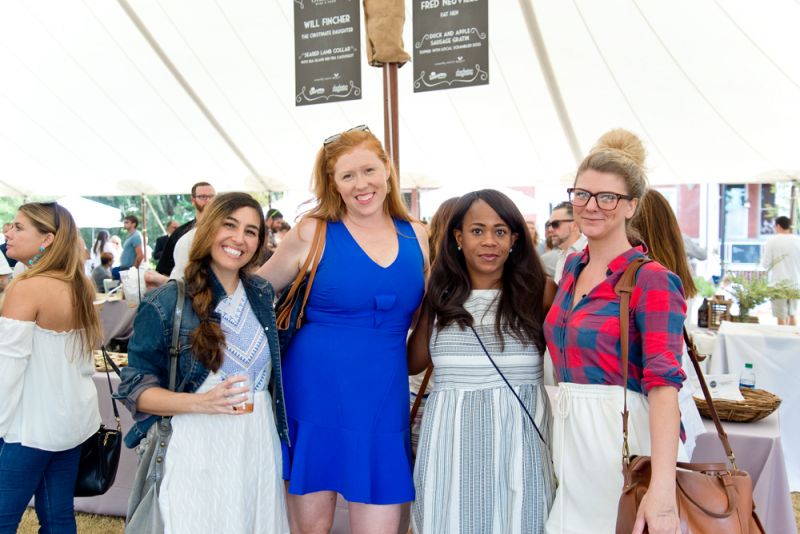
(520,308)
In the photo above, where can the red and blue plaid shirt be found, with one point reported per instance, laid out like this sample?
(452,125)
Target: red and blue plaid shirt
(584,341)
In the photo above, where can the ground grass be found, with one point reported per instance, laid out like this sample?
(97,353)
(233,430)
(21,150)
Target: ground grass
(796,506)
(87,523)
(100,524)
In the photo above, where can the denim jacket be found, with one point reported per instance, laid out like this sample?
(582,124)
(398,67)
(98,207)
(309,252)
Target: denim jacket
(148,349)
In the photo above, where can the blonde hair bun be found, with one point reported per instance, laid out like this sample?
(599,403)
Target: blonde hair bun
(623,141)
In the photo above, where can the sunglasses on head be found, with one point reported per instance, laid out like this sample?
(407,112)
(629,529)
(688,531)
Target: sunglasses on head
(336,137)
(555,224)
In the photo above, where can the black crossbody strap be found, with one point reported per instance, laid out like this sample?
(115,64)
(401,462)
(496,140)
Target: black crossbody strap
(509,385)
(109,362)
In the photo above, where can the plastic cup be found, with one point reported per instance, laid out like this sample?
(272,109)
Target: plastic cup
(247,397)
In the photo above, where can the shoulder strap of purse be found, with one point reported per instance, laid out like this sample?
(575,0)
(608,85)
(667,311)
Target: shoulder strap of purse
(420,394)
(312,260)
(174,349)
(624,288)
(524,408)
(318,245)
(108,362)
(723,436)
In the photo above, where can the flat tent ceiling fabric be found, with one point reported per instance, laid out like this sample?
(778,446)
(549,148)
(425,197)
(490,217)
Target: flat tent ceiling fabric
(86,106)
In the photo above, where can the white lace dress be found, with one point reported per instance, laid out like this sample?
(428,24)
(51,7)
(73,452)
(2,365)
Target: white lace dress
(480,465)
(223,473)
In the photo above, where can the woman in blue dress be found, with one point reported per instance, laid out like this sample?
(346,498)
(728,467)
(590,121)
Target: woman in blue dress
(345,372)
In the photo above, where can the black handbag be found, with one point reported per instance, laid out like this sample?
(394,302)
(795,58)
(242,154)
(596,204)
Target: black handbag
(290,307)
(100,453)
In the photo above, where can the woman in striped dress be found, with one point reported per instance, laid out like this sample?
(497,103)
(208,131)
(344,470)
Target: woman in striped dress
(482,465)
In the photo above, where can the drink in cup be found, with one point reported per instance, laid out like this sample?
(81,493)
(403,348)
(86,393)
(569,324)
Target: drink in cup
(247,397)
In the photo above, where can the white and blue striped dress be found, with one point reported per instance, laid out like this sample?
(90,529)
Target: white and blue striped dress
(481,467)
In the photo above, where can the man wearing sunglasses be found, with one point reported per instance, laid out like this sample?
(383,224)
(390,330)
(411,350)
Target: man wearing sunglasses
(565,235)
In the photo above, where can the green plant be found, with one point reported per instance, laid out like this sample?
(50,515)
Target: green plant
(755,290)
(704,287)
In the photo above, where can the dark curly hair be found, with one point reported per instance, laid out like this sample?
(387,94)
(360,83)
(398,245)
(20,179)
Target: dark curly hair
(520,309)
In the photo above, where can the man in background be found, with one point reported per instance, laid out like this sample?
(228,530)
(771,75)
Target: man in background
(566,236)
(132,249)
(782,259)
(162,240)
(202,194)
(551,252)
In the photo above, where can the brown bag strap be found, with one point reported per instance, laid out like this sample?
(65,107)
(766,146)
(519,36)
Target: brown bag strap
(624,288)
(422,387)
(723,436)
(312,260)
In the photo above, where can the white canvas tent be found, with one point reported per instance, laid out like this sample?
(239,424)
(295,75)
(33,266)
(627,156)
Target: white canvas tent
(90,214)
(88,107)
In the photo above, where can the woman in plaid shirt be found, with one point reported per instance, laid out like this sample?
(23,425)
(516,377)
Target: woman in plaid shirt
(582,333)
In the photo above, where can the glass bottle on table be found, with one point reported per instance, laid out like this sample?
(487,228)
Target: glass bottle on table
(702,314)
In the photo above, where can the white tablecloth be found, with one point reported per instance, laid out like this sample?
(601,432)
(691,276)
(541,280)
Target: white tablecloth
(774,352)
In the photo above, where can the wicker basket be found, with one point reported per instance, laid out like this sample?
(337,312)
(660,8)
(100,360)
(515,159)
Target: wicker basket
(757,404)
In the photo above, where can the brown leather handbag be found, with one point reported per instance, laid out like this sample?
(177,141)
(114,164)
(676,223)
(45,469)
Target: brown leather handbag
(711,498)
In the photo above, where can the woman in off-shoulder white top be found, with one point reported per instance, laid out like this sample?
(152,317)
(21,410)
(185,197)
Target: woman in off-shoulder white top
(49,406)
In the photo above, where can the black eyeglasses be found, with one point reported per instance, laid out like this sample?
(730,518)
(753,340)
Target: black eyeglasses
(336,137)
(606,200)
(56,218)
(555,224)
(203,197)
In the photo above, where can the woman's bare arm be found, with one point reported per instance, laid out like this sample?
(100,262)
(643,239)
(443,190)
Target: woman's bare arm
(658,508)
(419,357)
(283,266)
(219,400)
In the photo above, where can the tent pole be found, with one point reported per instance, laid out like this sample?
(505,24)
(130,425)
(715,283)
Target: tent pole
(158,221)
(391,133)
(144,227)
(540,48)
(723,223)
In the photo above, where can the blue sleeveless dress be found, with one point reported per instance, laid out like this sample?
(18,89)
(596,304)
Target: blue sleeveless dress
(345,374)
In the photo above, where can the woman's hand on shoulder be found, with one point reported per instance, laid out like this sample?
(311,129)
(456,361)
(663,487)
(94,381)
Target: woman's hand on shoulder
(281,269)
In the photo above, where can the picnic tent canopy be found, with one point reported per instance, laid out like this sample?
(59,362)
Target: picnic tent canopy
(88,105)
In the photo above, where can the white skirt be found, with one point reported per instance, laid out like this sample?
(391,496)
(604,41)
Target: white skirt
(587,454)
(223,473)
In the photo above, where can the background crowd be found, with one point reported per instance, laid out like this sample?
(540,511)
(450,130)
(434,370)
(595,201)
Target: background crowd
(328,412)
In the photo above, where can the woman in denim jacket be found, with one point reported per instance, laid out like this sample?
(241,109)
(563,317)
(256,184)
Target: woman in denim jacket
(228,347)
